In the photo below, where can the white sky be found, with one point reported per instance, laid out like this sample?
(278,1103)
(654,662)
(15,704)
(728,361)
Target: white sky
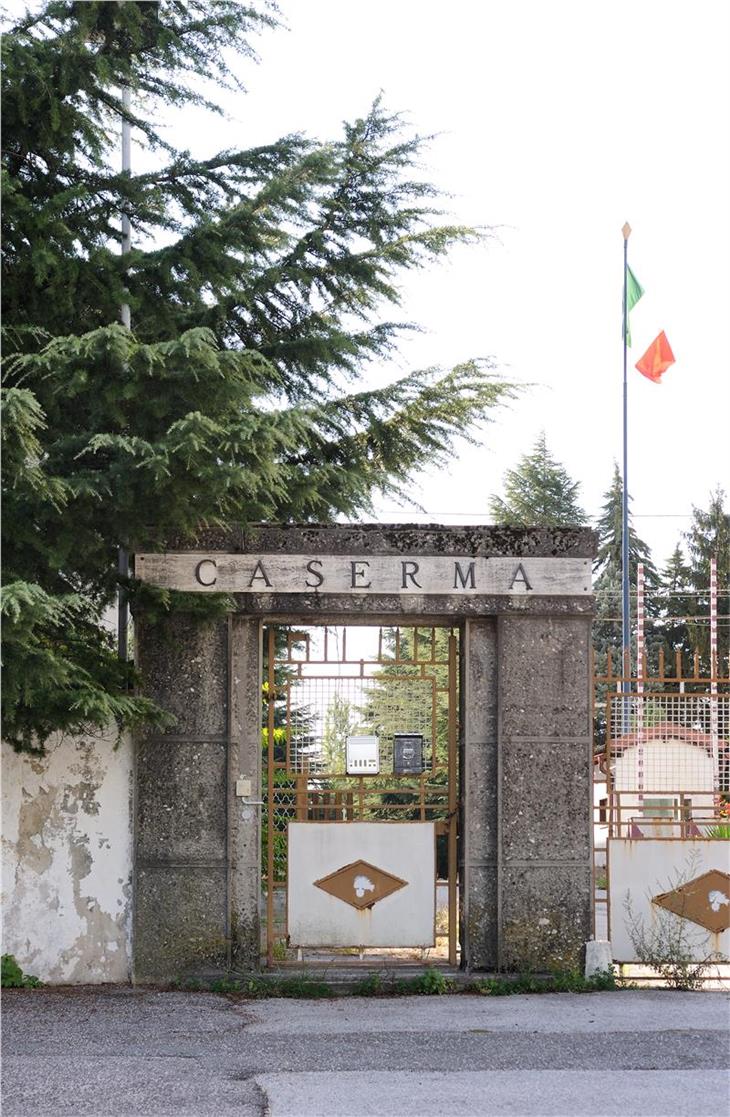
(558,122)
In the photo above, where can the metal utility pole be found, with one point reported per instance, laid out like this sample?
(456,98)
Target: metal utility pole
(625,609)
(126,317)
(126,170)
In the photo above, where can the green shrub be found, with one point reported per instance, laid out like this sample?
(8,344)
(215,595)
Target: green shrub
(722,831)
(370,986)
(226,985)
(14,978)
(300,987)
(567,982)
(430,983)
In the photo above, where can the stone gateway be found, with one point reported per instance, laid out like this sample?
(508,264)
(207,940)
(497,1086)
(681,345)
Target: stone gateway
(519,605)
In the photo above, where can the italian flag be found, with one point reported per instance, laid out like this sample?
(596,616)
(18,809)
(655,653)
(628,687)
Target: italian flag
(658,357)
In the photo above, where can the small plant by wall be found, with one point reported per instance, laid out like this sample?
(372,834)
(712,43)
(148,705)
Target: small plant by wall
(568,982)
(430,983)
(13,976)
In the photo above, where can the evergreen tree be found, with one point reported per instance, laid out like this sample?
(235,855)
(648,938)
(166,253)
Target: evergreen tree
(538,491)
(257,284)
(339,723)
(707,538)
(610,537)
(678,603)
(608,568)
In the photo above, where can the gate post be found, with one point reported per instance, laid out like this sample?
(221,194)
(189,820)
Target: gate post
(479,793)
(545,790)
(245,812)
(180,783)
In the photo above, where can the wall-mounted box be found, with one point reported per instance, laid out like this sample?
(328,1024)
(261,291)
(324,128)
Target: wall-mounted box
(363,756)
(408,754)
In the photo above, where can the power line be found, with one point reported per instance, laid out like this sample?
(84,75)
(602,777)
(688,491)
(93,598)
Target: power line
(483,512)
(703,594)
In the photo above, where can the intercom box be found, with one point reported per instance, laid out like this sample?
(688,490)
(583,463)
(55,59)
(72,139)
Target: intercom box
(408,754)
(363,756)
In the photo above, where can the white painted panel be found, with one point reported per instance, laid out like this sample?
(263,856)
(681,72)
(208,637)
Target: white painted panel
(645,868)
(67,859)
(405,918)
(359,575)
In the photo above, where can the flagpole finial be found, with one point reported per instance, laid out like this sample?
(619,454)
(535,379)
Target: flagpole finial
(626,230)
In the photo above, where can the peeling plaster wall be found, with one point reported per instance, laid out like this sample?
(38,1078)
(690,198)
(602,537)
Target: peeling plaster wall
(67,859)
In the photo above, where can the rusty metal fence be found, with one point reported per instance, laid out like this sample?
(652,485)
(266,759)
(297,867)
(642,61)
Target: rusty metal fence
(663,768)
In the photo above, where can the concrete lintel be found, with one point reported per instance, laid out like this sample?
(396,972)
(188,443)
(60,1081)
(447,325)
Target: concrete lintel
(395,539)
(418,608)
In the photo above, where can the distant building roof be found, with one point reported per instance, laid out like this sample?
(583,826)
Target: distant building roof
(668,731)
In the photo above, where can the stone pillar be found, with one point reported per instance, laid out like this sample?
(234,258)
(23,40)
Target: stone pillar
(245,817)
(478,869)
(544,774)
(181,777)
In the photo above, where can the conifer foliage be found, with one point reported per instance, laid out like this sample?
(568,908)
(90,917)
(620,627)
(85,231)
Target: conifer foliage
(609,558)
(258,281)
(608,568)
(538,491)
(709,537)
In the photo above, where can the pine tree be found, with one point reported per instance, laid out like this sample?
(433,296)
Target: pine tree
(610,537)
(339,722)
(678,603)
(538,491)
(257,284)
(707,538)
(608,568)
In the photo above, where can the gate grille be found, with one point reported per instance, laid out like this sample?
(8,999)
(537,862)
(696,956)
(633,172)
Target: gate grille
(323,684)
(664,757)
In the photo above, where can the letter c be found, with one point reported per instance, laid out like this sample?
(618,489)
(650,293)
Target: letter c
(206,572)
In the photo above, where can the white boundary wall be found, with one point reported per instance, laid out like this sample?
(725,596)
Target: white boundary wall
(67,859)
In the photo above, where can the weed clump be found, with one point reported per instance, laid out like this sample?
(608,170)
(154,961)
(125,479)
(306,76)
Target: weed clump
(568,982)
(13,976)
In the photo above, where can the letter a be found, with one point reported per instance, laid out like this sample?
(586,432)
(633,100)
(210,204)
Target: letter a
(520,580)
(259,572)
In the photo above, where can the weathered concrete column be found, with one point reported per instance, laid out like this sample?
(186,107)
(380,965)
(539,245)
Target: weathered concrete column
(545,770)
(478,826)
(244,813)
(181,865)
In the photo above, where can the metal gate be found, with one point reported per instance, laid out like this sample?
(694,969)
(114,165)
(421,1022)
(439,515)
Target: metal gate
(662,799)
(360,749)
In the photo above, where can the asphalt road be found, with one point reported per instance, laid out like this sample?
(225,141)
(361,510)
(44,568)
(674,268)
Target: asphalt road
(116,1052)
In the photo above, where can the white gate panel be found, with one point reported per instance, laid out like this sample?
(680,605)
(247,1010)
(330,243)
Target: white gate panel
(645,869)
(361,884)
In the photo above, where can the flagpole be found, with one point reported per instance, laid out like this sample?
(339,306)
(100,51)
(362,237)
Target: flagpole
(625,610)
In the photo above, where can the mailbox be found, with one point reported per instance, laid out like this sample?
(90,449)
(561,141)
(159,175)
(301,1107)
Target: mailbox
(363,756)
(408,754)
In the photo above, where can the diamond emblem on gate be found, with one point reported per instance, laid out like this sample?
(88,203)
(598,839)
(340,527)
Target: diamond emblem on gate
(704,900)
(360,884)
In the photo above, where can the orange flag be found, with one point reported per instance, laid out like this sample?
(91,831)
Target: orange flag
(657,359)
